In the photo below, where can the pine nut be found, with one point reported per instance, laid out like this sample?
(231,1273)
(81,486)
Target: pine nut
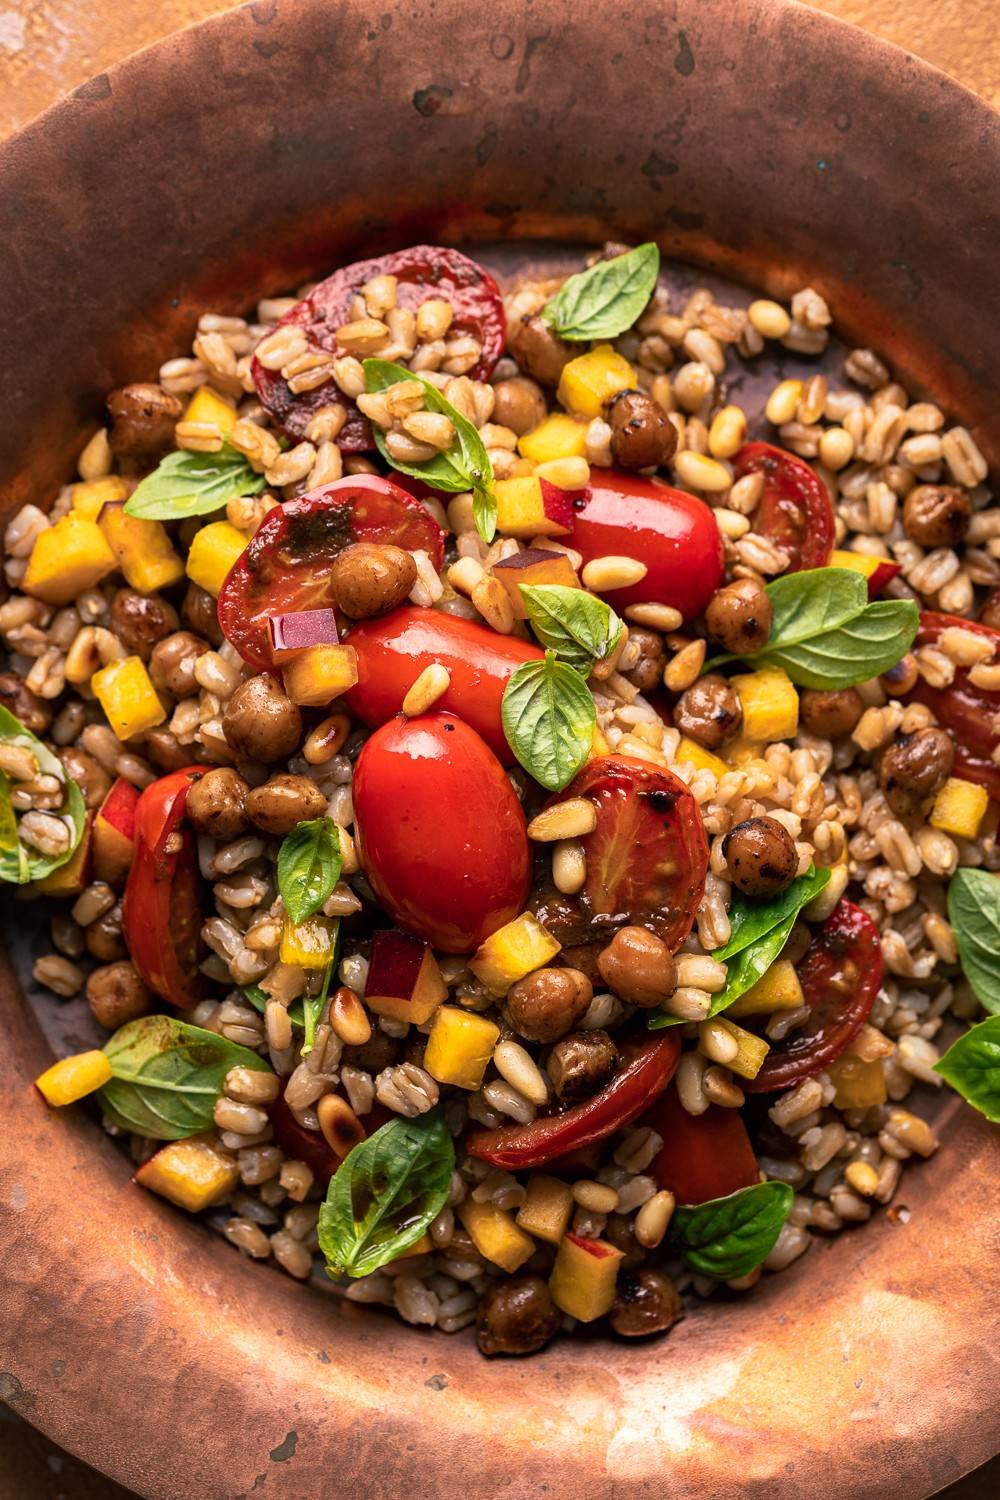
(728,432)
(565,473)
(721,1089)
(769,318)
(515,1063)
(606,573)
(326,740)
(466,574)
(95,460)
(349,1018)
(984,676)
(701,472)
(912,1132)
(433,319)
(731,523)
(783,402)
(682,670)
(718,1044)
(493,602)
(688,1003)
(342,1130)
(569,866)
(566,820)
(653,1219)
(426,690)
(836,448)
(655,616)
(596,1197)
(688,1080)
(863,1178)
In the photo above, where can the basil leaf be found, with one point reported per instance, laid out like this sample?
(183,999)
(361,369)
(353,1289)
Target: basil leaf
(972,1067)
(548,717)
(578,627)
(729,1237)
(309,863)
(464,466)
(807,604)
(312,1006)
(257,997)
(193,484)
(974,914)
(751,920)
(19,862)
(168,1075)
(604,300)
(385,1193)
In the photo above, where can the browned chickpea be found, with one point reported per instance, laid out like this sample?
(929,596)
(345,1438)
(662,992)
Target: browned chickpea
(142,419)
(519,404)
(761,856)
(639,967)
(581,1064)
(284,801)
(830,713)
(217,804)
(516,1316)
(548,1003)
(936,515)
(34,713)
(642,435)
(91,777)
(645,1302)
(140,620)
(989,614)
(369,580)
(261,722)
(166,751)
(171,663)
(539,352)
(116,994)
(104,937)
(914,767)
(380,1051)
(709,711)
(739,616)
(201,613)
(648,670)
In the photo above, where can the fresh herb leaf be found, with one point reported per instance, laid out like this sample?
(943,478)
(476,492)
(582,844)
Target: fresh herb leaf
(193,484)
(972,1067)
(974,914)
(464,466)
(809,604)
(578,627)
(548,717)
(386,1192)
(729,1237)
(312,1006)
(749,921)
(309,863)
(20,862)
(258,998)
(604,300)
(168,1075)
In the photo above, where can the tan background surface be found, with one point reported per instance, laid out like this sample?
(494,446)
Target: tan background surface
(48,47)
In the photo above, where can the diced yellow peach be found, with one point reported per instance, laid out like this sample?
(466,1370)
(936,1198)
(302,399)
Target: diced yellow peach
(73,1077)
(959,808)
(534,565)
(777,989)
(308,944)
(857,562)
(67,559)
(92,494)
(591,379)
(859,1084)
(740,752)
(144,551)
(512,951)
(495,1235)
(753,1049)
(770,705)
(558,436)
(584,1276)
(126,693)
(599,745)
(459,1047)
(207,405)
(404,981)
(191,1173)
(547,1208)
(530,507)
(318,674)
(70,878)
(696,755)
(212,555)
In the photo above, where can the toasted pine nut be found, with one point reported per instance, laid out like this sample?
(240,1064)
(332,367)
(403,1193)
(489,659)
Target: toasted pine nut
(433,319)
(326,740)
(653,1219)
(349,863)
(565,473)
(769,318)
(862,1177)
(349,1018)
(342,1130)
(683,668)
(95,460)
(727,433)
(985,676)
(465,574)
(493,602)
(426,690)
(655,616)
(566,820)
(516,1064)
(569,866)
(603,574)
(702,472)
(717,1043)
(596,1197)
(836,448)
(720,1088)
(912,1132)
(731,523)
(783,402)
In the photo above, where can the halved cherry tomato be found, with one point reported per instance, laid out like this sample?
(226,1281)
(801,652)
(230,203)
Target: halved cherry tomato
(703,1156)
(674,534)
(300,1144)
(643,1077)
(421,272)
(795,510)
(440,833)
(287,565)
(394,649)
(840,977)
(161,912)
(971,714)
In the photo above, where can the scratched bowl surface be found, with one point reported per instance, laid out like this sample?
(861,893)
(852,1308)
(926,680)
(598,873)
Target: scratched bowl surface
(756,140)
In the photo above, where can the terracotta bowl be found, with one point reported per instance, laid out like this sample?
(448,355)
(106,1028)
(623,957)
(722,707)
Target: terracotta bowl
(761,141)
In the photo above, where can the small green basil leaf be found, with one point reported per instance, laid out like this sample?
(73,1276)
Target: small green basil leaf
(20,862)
(751,920)
(578,627)
(742,973)
(309,863)
(604,300)
(808,604)
(385,1193)
(972,1067)
(548,717)
(974,913)
(729,1237)
(193,484)
(856,651)
(168,1075)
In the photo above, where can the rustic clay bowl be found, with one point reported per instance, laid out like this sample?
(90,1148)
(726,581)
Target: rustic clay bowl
(760,140)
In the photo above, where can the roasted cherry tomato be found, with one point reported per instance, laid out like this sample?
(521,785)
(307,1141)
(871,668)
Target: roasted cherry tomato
(702,1156)
(300,1144)
(644,1075)
(970,714)
(394,649)
(441,835)
(795,510)
(421,272)
(840,977)
(674,534)
(161,913)
(287,565)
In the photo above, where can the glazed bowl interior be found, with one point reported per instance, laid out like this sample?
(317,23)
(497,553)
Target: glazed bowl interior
(754,140)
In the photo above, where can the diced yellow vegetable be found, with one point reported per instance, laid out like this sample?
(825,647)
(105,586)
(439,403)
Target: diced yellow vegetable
(192,1174)
(859,1084)
(512,951)
(72,1077)
(858,562)
(696,755)
(770,705)
(423,1246)
(599,745)
(495,1235)
(959,808)
(125,692)
(547,1209)
(67,559)
(70,878)
(212,554)
(778,989)
(308,944)
(558,436)
(753,1049)
(318,674)
(207,405)
(143,549)
(591,379)
(90,496)
(740,752)
(459,1047)
(584,1276)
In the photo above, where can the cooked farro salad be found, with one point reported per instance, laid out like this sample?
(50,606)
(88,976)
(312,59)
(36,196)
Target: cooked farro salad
(534,819)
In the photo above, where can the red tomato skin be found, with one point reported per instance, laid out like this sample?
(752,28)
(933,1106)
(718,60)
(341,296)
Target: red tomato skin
(795,511)
(394,649)
(967,712)
(674,534)
(703,1156)
(161,910)
(440,832)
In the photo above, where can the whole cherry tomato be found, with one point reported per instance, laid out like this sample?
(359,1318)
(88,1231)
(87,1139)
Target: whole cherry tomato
(643,1077)
(394,649)
(421,272)
(674,534)
(161,912)
(970,714)
(840,977)
(795,511)
(441,835)
(287,565)
(703,1156)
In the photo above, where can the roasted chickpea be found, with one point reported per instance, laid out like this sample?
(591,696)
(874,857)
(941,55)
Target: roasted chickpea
(989,614)
(620,1232)
(34,713)
(581,1064)
(914,767)
(639,967)
(91,777)
(104,937)
(380,1051)
(645,1302)
(548,1003)
(261,722)
(519,404)
(761,856)
(936,515)
(166,751)
(539,352)
(739,616)
(116,994)
(516,1316)
(648,670)
(217,804)
(368,580)
(140,620)
(642,435)
(142,418)
(709,711)
(171,663)
(284,801)
(201,613)
(830,713)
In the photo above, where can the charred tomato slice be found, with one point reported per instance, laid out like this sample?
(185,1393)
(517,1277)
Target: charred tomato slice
(161,913)
(795,510)
(971,714)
